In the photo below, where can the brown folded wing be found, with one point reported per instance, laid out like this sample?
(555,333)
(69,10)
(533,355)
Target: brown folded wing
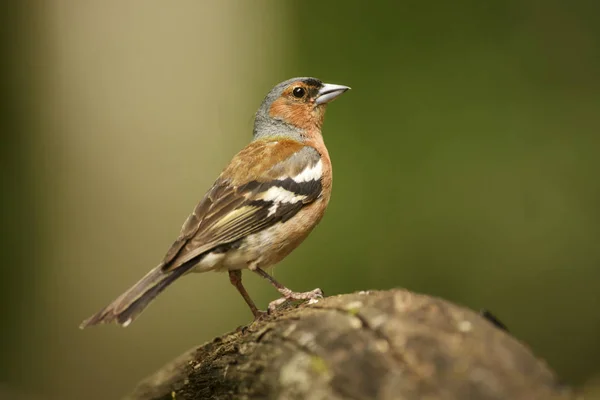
(256,191)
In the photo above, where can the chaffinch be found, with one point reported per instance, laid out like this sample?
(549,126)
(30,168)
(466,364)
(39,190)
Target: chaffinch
(262,206)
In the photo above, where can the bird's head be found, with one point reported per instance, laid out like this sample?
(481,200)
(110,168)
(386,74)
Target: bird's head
(295,107)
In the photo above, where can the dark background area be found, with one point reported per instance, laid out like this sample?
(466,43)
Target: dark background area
(465,166)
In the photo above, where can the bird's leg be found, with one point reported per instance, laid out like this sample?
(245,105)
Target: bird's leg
(235,277)
(287,293)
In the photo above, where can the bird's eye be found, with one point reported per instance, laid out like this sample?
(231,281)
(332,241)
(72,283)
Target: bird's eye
(298,92)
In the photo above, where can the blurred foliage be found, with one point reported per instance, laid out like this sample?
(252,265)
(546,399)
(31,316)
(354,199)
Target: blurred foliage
(465,166)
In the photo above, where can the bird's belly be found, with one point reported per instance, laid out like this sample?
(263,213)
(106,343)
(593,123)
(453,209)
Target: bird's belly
(261,249)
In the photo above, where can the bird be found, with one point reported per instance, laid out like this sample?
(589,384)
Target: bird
(260,208)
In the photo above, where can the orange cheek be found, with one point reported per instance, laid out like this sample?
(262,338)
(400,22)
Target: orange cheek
(296,114)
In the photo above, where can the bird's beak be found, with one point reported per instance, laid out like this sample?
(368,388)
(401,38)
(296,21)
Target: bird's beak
(329,92)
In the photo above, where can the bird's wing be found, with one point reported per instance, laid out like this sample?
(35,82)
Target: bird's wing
(266,183)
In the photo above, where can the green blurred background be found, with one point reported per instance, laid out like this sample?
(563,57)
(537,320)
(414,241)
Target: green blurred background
(465,162)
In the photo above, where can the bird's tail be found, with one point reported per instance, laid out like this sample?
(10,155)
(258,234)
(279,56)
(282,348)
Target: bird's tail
(130,304)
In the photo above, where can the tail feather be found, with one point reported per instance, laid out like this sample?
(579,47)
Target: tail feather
(130,304)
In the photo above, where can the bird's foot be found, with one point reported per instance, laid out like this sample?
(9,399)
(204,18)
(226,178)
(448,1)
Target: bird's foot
(289,295)
(259,314)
